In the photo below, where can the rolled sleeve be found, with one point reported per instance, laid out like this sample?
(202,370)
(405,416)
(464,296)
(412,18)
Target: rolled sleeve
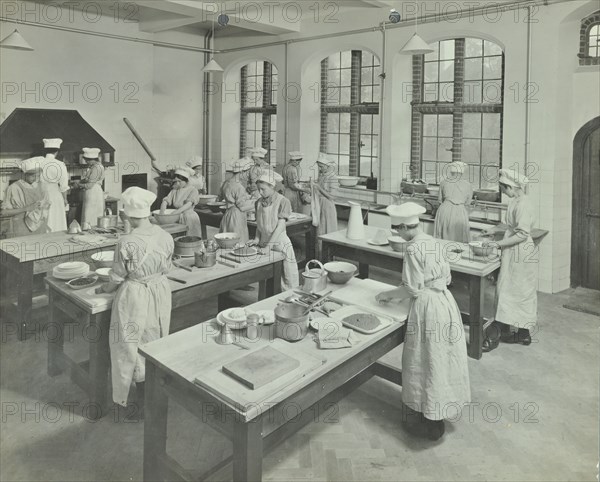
(285,209)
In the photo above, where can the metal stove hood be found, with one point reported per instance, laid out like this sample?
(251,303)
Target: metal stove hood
(22,132)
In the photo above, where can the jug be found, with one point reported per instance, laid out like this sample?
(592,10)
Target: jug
(205,257)
(356,228)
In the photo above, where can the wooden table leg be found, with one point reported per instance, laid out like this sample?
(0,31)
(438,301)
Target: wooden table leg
(311,240)
(56,338)
(222,300)
(247,451)
(326,252)
(203,231)
(476,304)
(155,424)
(97,335)
(273,285)
(363,271)
(24,297)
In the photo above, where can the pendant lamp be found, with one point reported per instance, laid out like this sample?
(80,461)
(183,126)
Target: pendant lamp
(212,65)
(416,45)
(15,41)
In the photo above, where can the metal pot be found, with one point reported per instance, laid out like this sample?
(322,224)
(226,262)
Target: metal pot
(314,280)
(205,258)
(108,220)
(291,321)
(187,245)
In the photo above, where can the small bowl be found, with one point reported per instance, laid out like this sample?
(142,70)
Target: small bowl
(339,272)
(214,206)
(103,274)
(348,181)
(103,259)
(74,284)
(479,250)
(397,243)
(487,195)
(227,240)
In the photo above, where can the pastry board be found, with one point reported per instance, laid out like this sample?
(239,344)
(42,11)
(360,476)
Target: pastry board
(364,295)
(261,367)
(214,380)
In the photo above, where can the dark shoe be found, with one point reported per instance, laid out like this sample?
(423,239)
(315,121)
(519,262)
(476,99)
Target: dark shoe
(524,336)
(489,344)
(435,429)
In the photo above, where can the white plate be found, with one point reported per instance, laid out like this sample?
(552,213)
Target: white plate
(377,243)
(249,251)
(233,326)
(71,266)
(267,317)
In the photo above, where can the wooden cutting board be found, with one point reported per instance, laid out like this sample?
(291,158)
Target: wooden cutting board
(261,367)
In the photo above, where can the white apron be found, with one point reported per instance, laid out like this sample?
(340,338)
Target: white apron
(516,295)
(54,180)
(435,375)
(267,218)
(177,198)
(93,205)
(141,310)
(235,220)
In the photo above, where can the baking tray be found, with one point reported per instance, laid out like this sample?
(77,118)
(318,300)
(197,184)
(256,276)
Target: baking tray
(353,309)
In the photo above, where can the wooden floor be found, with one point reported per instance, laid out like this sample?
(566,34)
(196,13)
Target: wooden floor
(534,417)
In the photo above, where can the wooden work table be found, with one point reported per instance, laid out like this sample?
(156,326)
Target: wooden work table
(25,256)
(255,420)
(94,310)
(300,225)
(475,270)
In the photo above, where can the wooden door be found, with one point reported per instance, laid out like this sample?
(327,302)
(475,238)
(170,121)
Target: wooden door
(585,266)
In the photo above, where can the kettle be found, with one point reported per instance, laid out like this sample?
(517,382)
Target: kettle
(205,257)
(356,227)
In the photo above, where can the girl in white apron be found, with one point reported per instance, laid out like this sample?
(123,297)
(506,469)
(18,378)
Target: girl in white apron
(452,218)
(324,212)
(196,177)
(141,310)
(183,198)
(93,196)
(54,181)
(516,294)
(435,375)
(260,165)
(296,194)
(272,212)
(237,201)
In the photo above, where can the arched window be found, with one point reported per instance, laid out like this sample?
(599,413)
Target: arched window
(458,96)
(258,93)
(589,40)
(350,96)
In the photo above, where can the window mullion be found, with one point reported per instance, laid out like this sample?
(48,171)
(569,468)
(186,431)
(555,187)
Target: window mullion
(355,116)
(457,116)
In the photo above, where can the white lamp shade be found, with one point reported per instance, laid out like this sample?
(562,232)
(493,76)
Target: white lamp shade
(416,46)
(212,66)
(15,41)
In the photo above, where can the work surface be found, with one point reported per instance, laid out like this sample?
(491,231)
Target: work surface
(50,245)
(193,353)
(464,262)
(96,303)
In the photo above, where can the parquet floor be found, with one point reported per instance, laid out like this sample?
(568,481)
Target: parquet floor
(534,417)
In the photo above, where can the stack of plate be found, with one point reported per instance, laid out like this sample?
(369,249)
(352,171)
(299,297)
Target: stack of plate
(71,270)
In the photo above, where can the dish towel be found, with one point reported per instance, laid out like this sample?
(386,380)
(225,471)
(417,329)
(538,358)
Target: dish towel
(342,338)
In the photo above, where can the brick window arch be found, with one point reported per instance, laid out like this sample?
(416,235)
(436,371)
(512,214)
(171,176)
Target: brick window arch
(589,40)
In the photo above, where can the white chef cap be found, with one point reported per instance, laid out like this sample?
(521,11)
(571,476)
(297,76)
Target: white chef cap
(513,178)
(52,143)
(239,165)
(407,213)
(296,156)
(31,165)
(457,166)
(91,152)
(325,160)
(195,161)
(259,152)
(270,177)
(137,202)
(183,173)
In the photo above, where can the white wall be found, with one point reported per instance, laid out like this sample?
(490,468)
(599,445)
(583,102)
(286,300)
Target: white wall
(565,96)
(158,89)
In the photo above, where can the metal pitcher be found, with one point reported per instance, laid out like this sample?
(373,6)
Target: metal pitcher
(314,280)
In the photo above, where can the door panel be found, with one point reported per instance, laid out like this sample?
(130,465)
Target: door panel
(591,210)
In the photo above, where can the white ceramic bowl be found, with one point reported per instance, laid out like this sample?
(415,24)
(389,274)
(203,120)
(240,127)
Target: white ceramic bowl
(397,243)
(348,181)
(227,240)
(204,199)
(479,250)
(103,274)
(103,259)
(234,315)
(167,218)
(339,272)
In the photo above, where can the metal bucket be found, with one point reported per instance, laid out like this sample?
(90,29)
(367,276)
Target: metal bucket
(291,324)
